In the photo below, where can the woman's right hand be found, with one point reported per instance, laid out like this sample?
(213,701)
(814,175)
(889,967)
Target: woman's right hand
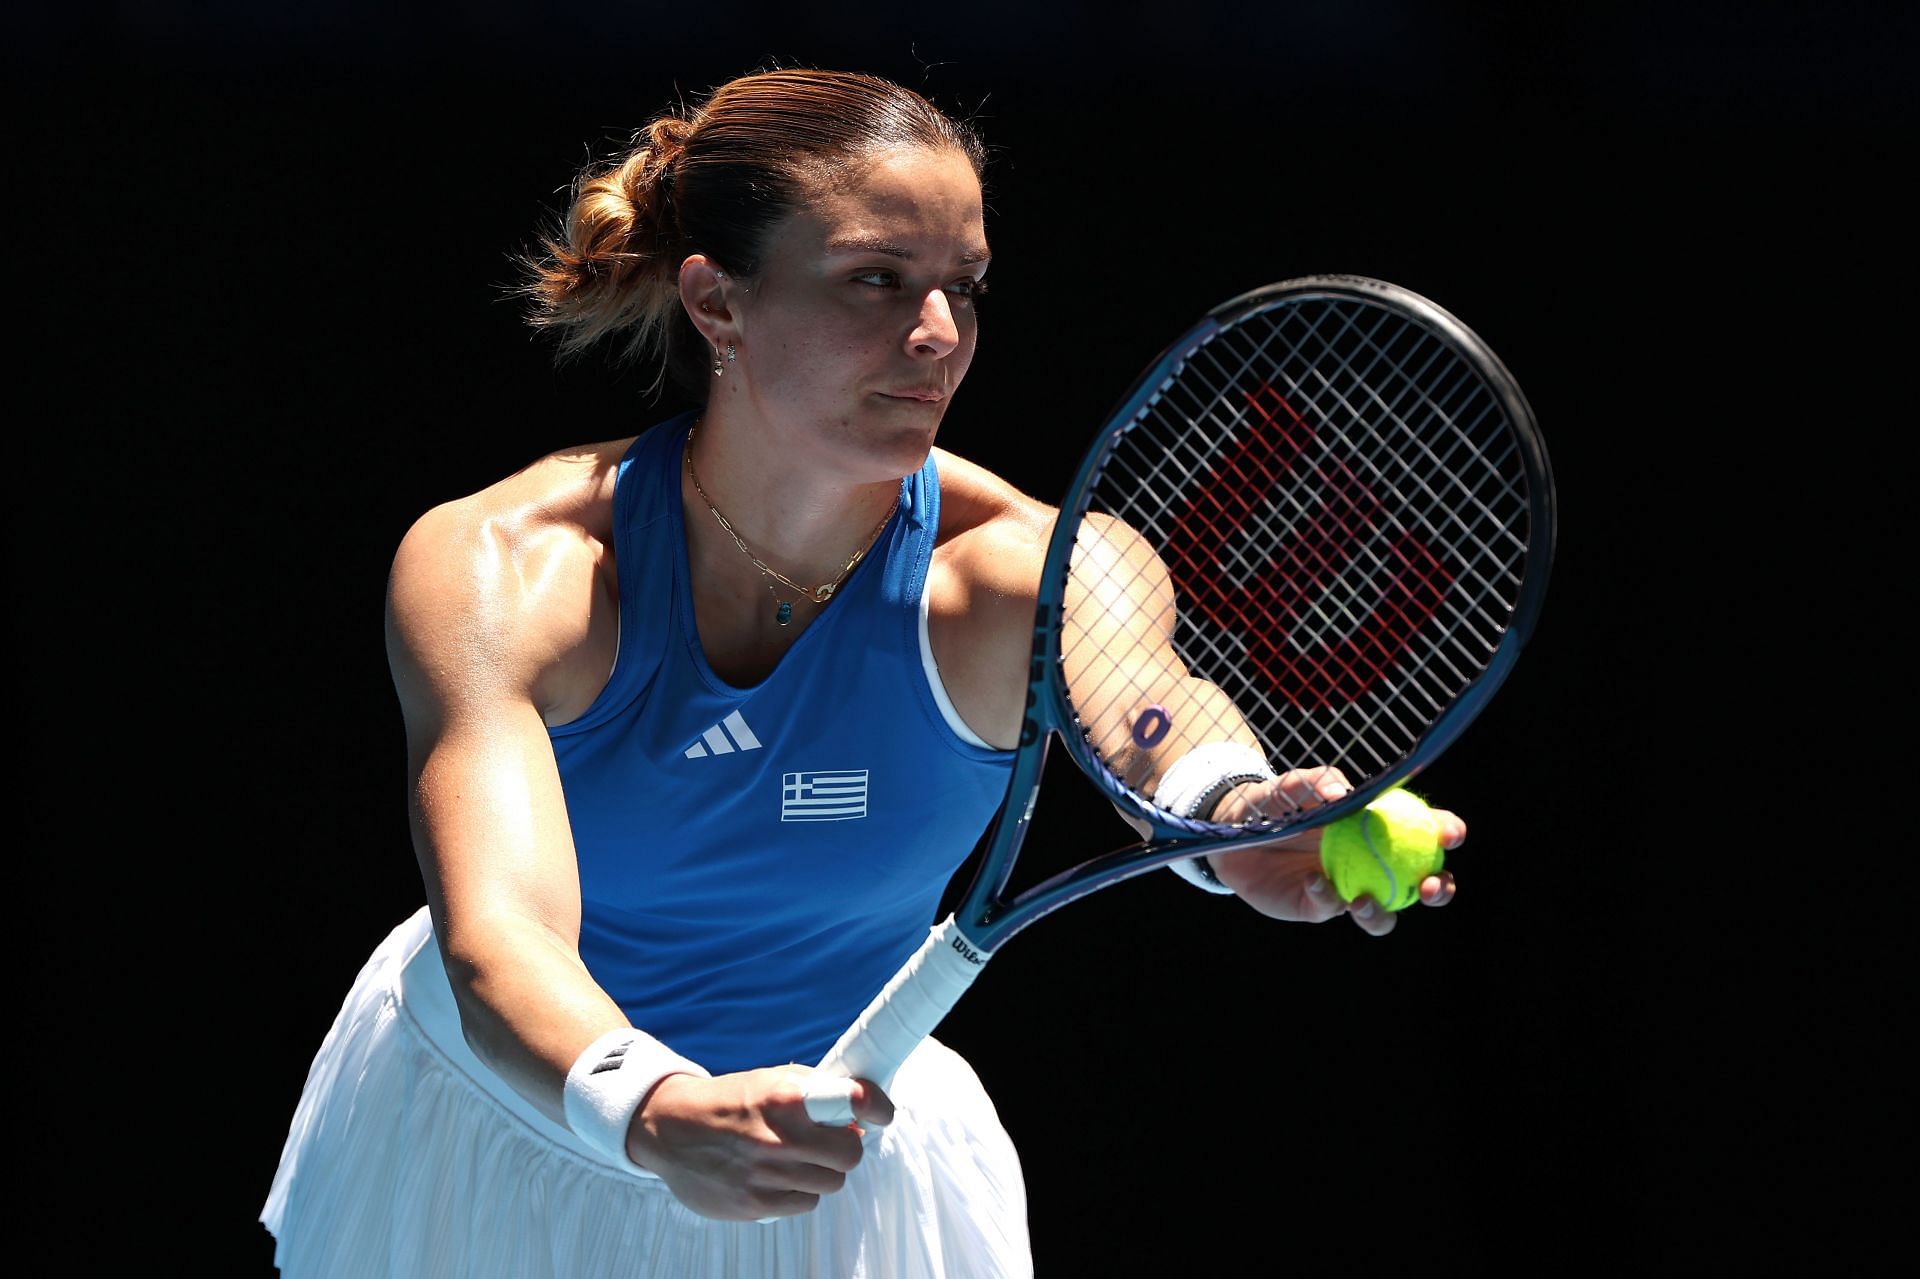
(742,1147)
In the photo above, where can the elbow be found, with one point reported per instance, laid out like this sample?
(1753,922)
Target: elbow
(479,1024)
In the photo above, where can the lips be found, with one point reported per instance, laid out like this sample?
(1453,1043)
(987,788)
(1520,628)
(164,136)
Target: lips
(919,393)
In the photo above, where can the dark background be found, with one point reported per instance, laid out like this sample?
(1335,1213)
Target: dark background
(260,326)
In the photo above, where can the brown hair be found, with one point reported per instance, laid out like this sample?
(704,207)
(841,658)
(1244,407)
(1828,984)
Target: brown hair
(714,179)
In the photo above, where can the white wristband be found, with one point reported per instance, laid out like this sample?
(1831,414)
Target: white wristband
(609,1081)
(1196,782)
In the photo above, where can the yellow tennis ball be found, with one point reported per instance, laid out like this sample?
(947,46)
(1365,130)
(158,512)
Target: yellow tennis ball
(1384,850)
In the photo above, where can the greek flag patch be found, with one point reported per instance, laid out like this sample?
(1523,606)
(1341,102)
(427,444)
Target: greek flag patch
(824,795)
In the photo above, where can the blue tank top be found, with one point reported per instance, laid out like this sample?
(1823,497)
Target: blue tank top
(756,862)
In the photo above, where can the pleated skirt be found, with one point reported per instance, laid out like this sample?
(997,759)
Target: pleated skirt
(408,1159)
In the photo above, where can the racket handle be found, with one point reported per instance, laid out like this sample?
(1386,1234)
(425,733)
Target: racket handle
(904,1012)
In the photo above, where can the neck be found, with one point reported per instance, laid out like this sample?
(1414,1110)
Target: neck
(802,520)
(799,513)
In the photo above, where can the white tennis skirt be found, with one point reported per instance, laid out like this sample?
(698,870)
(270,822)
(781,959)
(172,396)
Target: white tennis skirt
(409,1159)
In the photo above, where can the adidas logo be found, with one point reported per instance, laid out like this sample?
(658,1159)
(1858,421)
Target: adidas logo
(615,1058)
(729,735)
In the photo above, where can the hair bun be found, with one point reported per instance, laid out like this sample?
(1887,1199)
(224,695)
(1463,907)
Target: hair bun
(667,138)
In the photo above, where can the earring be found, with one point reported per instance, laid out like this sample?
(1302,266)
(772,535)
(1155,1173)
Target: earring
(731,353)
(716,361)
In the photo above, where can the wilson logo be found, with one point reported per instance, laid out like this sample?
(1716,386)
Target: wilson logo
(1341,536)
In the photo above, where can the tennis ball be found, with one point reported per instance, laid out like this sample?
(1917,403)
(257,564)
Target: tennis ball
(1384,850)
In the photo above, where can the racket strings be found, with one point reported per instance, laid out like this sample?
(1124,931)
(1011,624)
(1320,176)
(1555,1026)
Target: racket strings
(1336,508)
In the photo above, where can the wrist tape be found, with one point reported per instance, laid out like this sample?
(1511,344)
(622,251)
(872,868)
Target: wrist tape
(610,1080)
(1197,782)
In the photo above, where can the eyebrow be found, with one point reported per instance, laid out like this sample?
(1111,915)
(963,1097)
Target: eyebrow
(874,244)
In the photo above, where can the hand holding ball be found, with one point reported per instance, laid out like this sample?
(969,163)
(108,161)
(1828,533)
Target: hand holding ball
(1384,850)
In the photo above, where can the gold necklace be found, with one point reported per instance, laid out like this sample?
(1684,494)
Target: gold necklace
(818,594)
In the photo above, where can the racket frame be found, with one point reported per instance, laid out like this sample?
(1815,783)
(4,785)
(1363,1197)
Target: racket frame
(918,996)
(988,917)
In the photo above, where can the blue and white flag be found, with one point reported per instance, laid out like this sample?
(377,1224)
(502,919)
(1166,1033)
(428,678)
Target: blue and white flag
(826,795)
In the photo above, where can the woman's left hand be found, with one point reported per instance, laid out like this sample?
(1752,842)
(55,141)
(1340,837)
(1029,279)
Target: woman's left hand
(1284,880)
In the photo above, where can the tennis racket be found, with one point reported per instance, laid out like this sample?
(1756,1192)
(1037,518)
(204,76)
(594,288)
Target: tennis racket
(1319,525)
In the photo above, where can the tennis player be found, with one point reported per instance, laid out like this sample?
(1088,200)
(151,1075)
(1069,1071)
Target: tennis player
(700,723)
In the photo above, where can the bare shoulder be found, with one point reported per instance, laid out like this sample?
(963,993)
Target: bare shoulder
(502,587)
(981,593)
(991,533)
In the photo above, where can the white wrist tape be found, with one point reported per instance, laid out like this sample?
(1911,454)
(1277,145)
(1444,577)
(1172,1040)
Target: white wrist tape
(609,1081)
(1196,782)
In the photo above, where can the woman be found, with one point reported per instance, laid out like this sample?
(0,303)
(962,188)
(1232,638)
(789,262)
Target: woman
(678,706)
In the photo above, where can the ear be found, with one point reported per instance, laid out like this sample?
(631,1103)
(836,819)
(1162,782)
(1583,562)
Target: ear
(706,292)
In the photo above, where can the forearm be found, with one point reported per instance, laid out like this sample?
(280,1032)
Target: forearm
(528,1005)
(496,854)
(501,879)
(1198,714)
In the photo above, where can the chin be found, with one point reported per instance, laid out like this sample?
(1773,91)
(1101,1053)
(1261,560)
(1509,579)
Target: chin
(905,438)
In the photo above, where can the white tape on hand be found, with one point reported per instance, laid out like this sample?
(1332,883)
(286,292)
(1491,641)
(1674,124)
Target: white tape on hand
(829,1098)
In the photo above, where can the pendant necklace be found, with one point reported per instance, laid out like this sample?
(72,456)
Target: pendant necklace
(783,614)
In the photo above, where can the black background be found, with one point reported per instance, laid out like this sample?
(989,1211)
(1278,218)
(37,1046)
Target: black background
(260,326)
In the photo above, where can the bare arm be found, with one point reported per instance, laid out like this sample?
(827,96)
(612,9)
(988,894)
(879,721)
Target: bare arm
(1117,655)
(1117,650)
(499,615)
(471,635)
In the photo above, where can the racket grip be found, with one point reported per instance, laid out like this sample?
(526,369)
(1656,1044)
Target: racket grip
(905,1012)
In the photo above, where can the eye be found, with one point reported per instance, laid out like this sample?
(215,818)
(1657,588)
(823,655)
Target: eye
(879,277)
(968,287)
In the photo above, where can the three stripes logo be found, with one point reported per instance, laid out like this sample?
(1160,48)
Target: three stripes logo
(729,735)
(616,1057)
(824,795)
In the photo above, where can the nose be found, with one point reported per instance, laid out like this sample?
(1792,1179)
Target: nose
(934,331)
